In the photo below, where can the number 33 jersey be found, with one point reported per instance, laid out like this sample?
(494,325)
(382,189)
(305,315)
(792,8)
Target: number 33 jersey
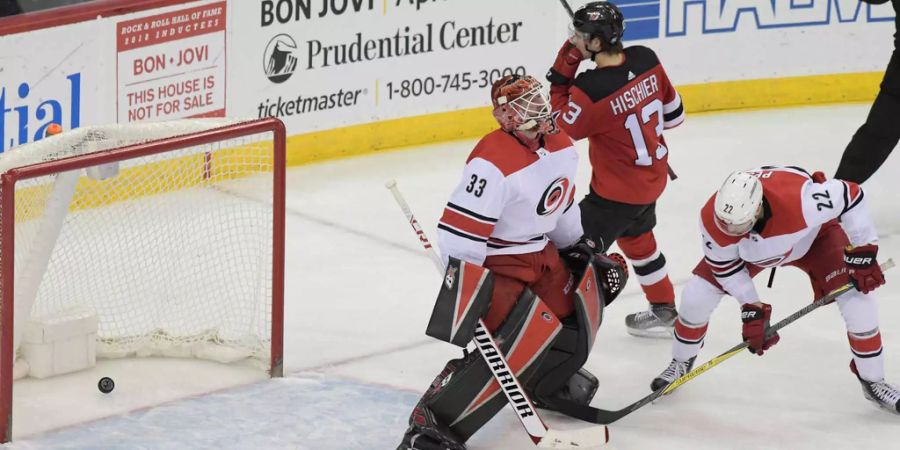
(623,110)
(512,200)
(794,209)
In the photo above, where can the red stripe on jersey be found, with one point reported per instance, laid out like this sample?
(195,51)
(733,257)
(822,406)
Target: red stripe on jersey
(467,224)
(866,345)
(783,190)
(728,267)
(854,190)
(558,141)
(503,151)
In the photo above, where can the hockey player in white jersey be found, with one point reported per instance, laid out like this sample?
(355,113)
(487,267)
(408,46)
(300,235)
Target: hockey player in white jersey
(511,212)
(783,216)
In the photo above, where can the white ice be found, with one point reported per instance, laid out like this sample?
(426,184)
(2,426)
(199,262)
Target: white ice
(359,292)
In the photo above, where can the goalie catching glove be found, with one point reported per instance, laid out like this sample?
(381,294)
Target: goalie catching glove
(612,270)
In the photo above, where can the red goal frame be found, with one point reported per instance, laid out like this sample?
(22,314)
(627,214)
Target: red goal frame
(7,238)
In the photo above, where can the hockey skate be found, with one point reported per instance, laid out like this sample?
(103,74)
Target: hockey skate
(676,370)
(879,392)
(424,433)
(656,322)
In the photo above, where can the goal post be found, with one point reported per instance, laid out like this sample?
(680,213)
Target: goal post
(171,233)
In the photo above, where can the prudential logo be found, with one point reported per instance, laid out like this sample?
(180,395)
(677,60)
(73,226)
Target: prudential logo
(279,62)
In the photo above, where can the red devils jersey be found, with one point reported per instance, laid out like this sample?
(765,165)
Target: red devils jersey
(512,200)
(623,111)
(794,209)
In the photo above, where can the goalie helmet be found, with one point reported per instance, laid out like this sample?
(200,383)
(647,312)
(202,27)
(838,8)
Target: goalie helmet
(737,203)
(520,104)
(602,20)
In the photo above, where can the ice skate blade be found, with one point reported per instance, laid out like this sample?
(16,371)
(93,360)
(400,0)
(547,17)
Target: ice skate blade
(653,333)
(879,405)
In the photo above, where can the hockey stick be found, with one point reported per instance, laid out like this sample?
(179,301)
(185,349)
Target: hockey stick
(541,435)
(565,4)
(605,417)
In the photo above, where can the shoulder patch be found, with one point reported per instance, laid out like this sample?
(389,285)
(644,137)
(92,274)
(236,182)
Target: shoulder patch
(558,141)
(599,84)
(784,192)
(503,151)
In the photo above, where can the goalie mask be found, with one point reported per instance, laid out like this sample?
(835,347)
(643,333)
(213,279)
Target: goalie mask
(520,104)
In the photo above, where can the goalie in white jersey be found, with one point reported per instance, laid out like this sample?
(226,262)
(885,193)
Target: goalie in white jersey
(511,212)
(783,216)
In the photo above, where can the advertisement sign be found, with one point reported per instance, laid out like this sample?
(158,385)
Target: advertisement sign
(326,64)
(172,65)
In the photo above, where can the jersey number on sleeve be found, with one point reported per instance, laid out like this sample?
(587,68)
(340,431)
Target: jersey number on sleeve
(633,125)
(476,186)
(823,199)
(572,114)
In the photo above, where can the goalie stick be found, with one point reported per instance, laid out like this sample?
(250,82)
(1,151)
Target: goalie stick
(605,417)
(541,435)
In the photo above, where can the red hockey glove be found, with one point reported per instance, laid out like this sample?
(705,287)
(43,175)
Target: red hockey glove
(862,266)
(566,65)
(756,324)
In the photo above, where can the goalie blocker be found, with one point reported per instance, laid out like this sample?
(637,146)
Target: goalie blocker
(545,353)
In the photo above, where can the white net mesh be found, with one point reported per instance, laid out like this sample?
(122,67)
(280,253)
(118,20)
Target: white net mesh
(173,253)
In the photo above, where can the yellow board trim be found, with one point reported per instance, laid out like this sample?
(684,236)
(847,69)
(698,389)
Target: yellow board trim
(472,123)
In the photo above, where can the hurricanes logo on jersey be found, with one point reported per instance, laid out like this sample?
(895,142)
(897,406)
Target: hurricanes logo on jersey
(554,197)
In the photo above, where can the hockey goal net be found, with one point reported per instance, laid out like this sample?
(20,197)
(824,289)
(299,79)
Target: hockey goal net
(171,233)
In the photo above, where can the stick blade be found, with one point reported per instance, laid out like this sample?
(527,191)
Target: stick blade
(581,439)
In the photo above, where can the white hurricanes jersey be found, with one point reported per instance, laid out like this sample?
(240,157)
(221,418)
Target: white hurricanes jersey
(511,200)
(795,208)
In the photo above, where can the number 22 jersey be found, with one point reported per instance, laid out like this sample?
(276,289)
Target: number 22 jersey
(622,110)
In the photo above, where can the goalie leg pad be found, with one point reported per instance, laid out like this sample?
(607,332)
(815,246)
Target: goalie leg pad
(464,297)
(469,397)
(561,370)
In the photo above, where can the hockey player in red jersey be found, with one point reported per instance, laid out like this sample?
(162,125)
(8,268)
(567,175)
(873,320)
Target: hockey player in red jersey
(783,216)
(511,212)
(622,105)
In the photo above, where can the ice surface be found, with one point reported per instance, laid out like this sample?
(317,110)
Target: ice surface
(360,290)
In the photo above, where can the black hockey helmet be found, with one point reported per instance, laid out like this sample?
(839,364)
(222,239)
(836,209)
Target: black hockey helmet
(602,20)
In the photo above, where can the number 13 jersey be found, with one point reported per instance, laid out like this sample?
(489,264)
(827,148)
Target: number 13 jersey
(623,110)
(511,199)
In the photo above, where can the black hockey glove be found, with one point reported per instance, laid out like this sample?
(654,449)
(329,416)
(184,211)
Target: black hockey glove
(577,255)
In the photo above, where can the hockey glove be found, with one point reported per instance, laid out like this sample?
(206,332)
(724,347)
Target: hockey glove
(863,268)
(756,324)
(566,65)
(577,255)
(614,276)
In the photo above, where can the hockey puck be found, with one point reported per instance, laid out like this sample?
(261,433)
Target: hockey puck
(106,385)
